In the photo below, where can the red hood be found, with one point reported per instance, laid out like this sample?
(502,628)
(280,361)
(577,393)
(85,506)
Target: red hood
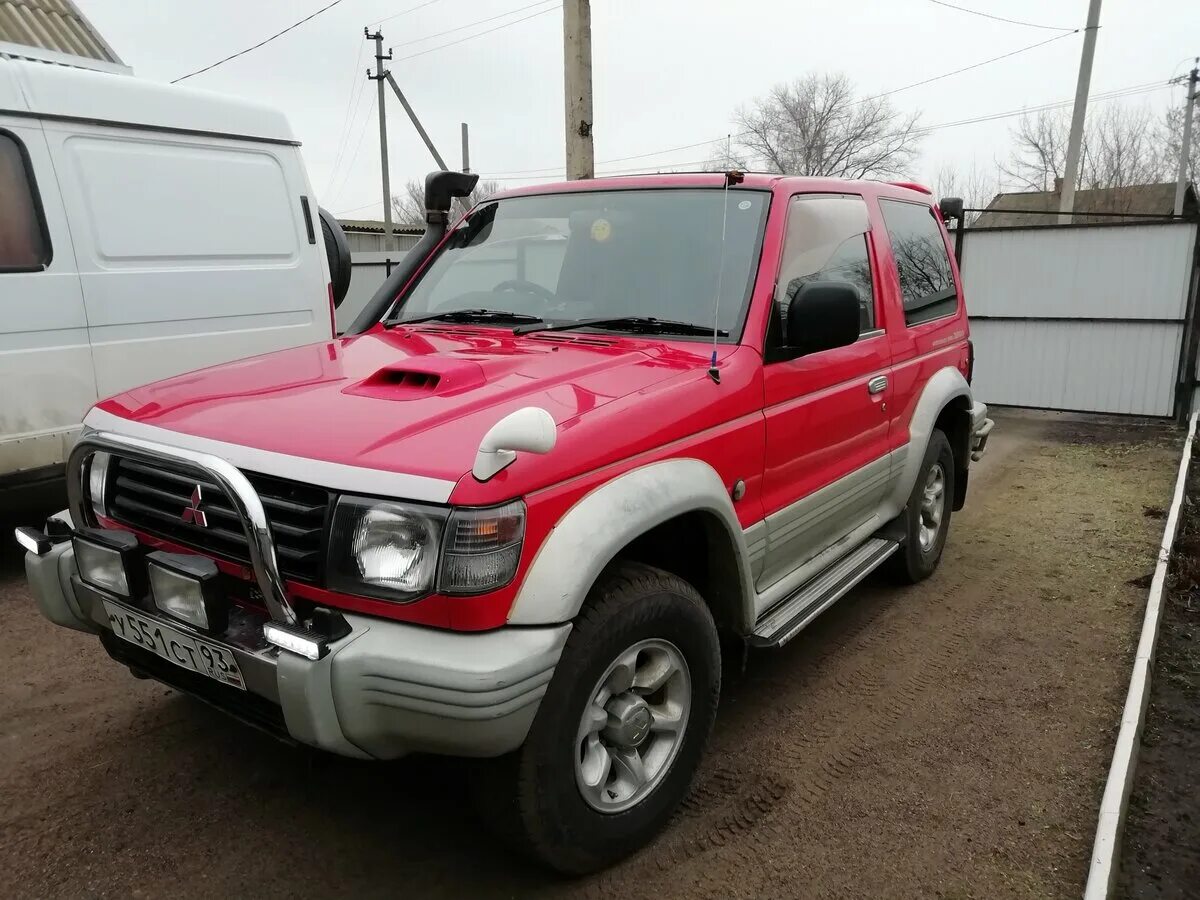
(414,400)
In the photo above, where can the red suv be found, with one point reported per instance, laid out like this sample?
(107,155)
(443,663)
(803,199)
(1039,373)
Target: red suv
(574,445)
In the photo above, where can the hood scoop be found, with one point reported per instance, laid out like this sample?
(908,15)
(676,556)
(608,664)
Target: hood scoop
(414,379)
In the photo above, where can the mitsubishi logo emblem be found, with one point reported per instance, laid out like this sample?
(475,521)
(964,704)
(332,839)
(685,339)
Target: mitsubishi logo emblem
(193,514)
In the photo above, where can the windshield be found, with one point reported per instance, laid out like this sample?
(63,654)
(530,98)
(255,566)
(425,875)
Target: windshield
(568,257)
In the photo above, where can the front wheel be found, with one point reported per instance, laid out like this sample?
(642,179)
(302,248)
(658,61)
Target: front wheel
(621,729)
(927,515)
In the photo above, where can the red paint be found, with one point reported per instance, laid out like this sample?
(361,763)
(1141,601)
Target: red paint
(418,399)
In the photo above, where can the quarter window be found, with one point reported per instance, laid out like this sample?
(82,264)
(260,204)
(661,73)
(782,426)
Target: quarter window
(23,243)
(827,241)
(922,263)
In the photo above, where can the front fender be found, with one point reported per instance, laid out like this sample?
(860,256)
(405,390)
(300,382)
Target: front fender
(607,519)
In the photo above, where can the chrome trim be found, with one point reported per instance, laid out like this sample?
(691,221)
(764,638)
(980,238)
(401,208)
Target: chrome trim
(338,477)
(236,486)
(877,385)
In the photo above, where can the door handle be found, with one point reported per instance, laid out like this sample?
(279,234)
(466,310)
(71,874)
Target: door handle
(877,385)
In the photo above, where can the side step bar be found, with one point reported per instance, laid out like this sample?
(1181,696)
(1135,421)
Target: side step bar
(788,617)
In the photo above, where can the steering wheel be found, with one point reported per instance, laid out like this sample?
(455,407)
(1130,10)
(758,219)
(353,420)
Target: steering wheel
(529,287)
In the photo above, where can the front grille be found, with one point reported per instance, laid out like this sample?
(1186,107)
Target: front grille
(153,497)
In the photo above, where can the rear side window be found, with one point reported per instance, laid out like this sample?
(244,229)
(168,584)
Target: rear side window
(24,246)
(926,281)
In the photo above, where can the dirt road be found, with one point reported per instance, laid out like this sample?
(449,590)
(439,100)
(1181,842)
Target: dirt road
(946,740)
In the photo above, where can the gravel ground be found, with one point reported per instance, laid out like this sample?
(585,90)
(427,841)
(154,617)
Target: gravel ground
(949,739)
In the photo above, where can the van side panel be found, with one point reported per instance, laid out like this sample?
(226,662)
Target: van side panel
(191,251)
(46,371)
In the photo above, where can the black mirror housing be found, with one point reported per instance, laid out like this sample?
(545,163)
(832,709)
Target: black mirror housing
(951,207)
(821,316)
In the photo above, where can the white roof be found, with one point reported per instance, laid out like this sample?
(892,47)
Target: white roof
(57,91)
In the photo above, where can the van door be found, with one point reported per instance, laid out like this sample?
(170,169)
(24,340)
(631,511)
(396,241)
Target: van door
(192,251)
(45,362)
(826,413)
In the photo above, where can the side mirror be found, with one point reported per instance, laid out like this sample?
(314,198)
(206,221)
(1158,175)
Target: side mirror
(530,428)
(337,251)
(823,315)
(951,207)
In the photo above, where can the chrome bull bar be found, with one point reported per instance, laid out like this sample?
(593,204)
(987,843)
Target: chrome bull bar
(237,488)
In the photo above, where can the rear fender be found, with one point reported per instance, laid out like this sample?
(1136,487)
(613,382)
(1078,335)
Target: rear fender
(939,392)
(597,528)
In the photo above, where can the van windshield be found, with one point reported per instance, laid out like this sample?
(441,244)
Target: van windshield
(569,257)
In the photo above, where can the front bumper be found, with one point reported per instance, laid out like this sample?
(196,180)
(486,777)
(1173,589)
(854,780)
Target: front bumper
(384,690)
(981,429)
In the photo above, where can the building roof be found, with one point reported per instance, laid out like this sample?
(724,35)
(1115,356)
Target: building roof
(55,25)
(374,226)
(1029,208)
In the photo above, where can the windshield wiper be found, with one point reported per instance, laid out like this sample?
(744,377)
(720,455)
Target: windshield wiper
(469,315)
(637,324)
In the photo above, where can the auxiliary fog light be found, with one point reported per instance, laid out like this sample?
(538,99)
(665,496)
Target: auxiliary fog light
(185,587)
(108,560)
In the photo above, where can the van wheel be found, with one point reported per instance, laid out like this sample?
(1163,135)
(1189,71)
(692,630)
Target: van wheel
(927,515)
(620,731)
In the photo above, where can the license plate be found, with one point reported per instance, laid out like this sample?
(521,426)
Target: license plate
(185,651)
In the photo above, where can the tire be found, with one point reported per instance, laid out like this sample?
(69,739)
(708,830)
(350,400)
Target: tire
(914,561)
(337,254)
(532,798)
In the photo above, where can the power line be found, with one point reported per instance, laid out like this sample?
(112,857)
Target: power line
(357,147)
(863,100)
(471,37)
(511,12)
(1115,93)
(986,62)
(353,98)
(259,44)
(405,12)
(975,12)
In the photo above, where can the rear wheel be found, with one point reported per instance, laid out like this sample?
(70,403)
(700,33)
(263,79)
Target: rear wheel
(927,515)
(621,729)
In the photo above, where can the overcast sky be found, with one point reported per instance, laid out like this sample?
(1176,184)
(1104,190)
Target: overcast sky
(666,73)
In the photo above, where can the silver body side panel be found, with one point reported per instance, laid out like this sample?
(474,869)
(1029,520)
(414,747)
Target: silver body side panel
(797,533)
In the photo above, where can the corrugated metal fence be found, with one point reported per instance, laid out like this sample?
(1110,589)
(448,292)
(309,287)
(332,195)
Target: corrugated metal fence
(1081,317)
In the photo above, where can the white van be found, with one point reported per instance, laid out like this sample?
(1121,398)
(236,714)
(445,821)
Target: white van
(145,230)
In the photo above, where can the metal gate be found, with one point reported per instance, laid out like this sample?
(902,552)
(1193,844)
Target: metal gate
(1081,317)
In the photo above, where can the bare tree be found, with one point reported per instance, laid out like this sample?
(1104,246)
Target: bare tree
(1169,137)
(816,126)
(975,186)
(1120,148)
(408,207)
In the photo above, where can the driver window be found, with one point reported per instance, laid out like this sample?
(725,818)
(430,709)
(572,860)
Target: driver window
(827,241)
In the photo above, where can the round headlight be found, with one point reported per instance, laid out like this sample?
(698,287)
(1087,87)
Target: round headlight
(395,548)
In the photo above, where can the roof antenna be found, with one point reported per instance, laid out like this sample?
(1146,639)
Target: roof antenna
(733,176)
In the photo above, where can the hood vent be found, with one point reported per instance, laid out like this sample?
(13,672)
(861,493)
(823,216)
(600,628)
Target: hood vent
(584,340)
(419,382)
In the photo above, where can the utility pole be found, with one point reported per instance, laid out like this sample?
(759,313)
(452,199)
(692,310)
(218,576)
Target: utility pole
(1185,145)
(389,236)
(577,82)
(466,151)
(1067,202)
